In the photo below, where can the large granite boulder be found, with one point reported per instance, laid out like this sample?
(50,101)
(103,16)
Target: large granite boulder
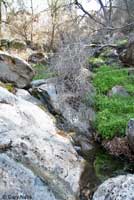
(18,182)
(120,187)
(130,134)
(15,70)
(29,135)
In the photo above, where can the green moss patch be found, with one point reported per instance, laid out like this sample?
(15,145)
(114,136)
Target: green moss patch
(96,61)
(8,86)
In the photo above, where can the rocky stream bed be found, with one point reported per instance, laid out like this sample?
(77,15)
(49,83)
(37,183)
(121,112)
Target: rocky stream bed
(47,141)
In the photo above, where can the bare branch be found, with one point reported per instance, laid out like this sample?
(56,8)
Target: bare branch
(79,5)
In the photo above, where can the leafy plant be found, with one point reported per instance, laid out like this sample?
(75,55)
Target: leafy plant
(113,113)
(107,77)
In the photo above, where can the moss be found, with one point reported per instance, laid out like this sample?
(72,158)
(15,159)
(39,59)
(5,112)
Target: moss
(42,107)
(96,61)
(8,86)
(113,113)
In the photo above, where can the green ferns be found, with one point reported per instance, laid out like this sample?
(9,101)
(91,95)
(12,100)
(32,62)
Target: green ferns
(113,113)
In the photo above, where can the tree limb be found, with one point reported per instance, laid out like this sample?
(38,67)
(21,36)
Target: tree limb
(79,5)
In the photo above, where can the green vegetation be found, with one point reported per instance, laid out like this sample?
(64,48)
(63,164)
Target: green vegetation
(42,72)
(106,52)
(122,42)
(106,165)
(113,113)
(96,61)
(42,107)
(8,86)
(107,77)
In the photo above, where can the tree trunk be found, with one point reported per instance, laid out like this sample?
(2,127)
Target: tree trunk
(32,13)
(0,18)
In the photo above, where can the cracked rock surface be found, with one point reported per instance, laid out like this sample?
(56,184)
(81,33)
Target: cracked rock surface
(16,181)
(35,143)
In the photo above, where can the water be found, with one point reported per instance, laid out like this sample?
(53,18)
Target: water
(101,166)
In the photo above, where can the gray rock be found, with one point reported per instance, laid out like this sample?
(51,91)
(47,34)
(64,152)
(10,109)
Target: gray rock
(78,116)
(130,134)
(18,182)
(131,71)
(37,58)
(37,144)
(24,94)
(65,103)
(86,146)
(127,55)
(15,70)
(119,188)
(36,83)
(118,90)
(84,143)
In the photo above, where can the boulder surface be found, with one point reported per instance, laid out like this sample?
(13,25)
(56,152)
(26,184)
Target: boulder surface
(18,182)
(15,70)
(76,114)
(29,136)
(120,187)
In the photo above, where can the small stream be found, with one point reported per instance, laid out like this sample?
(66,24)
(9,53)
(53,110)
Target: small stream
(101,166)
